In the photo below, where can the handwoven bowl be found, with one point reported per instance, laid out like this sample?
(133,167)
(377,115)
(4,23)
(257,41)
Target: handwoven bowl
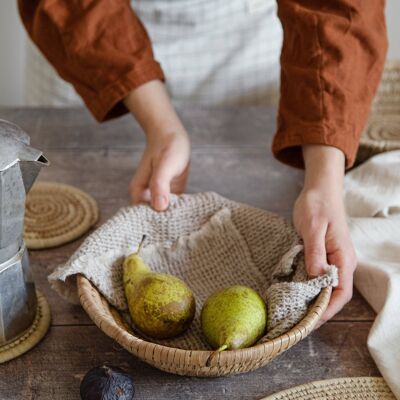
(193,362)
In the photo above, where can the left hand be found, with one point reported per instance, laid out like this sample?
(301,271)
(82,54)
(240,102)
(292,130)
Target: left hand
(320,219)
(163,169)
(164,166)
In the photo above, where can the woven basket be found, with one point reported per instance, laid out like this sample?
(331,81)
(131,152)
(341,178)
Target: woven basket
(382,132)
(189,362)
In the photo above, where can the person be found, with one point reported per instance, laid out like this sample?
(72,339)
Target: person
(331,60)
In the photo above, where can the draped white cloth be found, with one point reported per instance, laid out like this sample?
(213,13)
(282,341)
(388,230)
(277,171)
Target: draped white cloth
(372,198)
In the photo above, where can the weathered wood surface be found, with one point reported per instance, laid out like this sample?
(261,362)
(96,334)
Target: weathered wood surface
(230,155)
(53,369)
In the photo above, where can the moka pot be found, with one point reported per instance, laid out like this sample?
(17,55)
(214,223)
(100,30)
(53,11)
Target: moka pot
(19,166)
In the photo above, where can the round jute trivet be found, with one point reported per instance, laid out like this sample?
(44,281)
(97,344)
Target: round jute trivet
(56,214)
(32,335)
(382,132)
(339,389)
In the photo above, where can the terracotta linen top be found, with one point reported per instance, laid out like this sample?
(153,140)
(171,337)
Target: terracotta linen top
(331,62)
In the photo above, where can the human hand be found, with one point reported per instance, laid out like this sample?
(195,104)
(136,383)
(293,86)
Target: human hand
(163,169)
(320,219)
(164,166)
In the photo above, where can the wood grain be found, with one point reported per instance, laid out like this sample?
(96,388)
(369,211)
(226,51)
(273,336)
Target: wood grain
(231,156)
(53,369)
(74,128)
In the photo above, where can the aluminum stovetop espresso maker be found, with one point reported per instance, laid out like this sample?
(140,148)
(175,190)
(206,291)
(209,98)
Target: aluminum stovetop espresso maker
(19,166)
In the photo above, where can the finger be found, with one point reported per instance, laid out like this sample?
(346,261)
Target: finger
(140,182)
(319,324)
(315,252)
(160,183)
(339,298)
(146,196)
(178,184)
(343,293)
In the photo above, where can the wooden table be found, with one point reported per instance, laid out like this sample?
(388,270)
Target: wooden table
(231,155)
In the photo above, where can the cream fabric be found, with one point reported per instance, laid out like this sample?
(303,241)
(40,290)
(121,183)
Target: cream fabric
(213,52)
(373,204)
(43,87)
(210,242)
(216,52)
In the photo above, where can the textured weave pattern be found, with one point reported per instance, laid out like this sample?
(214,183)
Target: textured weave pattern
(363,388)
(56,214)
(210,242)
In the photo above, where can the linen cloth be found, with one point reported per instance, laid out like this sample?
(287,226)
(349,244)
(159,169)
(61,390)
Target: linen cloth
(372,198)
(210,242)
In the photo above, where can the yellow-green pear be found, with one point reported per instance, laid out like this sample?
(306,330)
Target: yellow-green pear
(233,318)
(160,305)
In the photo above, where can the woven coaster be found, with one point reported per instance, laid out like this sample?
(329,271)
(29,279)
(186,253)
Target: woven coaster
(382,132)
(32,335)
(56,214)
(338,389)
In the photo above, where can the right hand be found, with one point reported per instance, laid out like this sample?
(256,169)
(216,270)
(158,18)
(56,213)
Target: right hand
(320,219)
(163,169)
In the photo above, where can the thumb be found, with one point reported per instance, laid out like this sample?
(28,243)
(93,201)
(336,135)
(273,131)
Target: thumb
(315,252)
(160,184)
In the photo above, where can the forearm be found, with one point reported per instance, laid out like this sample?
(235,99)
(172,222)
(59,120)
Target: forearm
(332,57)
(100,47)
(150,104)
(324,167)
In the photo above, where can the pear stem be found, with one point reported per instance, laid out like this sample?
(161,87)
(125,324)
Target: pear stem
(214,353)
(141,244)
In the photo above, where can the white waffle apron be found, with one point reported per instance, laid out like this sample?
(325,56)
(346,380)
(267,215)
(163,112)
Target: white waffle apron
(213,52)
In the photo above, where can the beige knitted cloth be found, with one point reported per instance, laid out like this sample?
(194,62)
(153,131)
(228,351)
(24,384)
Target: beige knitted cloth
(210,242)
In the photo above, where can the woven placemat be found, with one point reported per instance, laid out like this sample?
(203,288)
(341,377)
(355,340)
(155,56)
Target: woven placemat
(387,98)
(382,132)
(32,335)
(338,389)
(56,214)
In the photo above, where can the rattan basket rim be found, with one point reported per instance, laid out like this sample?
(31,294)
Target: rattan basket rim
(291,337)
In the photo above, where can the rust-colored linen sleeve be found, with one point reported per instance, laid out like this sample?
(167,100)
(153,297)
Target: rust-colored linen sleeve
(331,63)
(99,46)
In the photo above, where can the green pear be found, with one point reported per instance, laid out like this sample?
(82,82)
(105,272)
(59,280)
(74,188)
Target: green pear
(160,305)
(233,318)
